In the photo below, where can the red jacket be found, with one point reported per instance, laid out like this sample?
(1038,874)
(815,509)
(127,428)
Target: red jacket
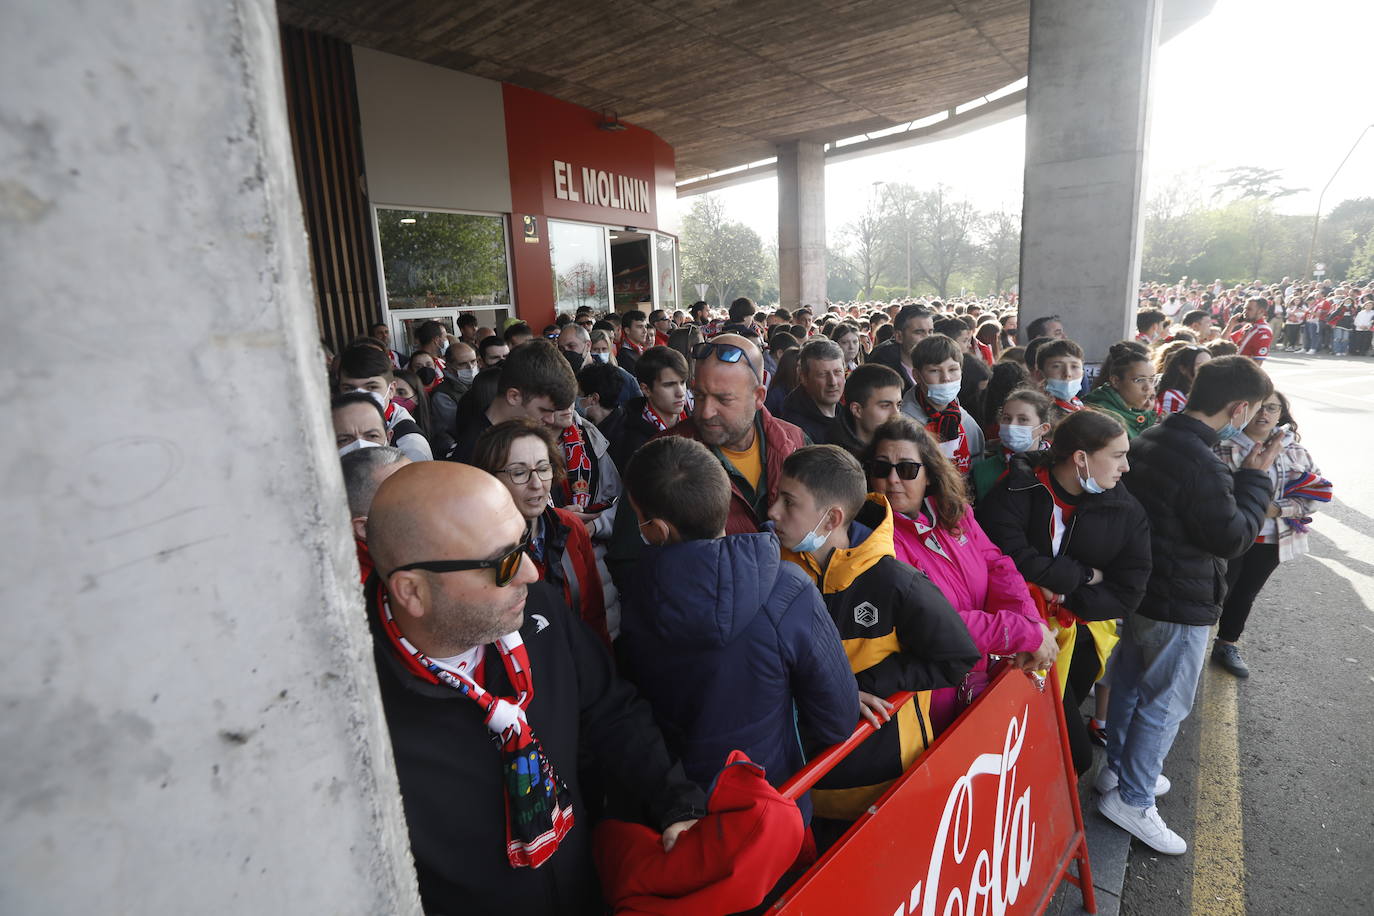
(726,863)
(780,439)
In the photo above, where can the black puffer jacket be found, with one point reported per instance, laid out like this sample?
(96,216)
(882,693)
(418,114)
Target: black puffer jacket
(1201,515)
(890,355)
(1107,532)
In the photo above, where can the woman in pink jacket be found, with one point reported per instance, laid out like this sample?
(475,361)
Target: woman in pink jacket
(935,532)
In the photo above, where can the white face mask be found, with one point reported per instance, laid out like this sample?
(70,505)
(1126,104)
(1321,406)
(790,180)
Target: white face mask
(942,393)
(443,346)
(601,357)
(375,395)
(1016,438)
(466,375)
(1088,482)
(357,444)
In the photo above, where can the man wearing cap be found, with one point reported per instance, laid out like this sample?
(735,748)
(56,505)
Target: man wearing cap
(499,704)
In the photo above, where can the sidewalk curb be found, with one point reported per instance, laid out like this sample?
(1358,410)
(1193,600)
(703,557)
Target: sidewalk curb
(1108,849)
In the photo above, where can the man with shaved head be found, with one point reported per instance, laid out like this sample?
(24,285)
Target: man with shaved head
(499,700)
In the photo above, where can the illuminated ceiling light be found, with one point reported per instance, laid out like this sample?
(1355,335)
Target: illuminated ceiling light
(407,221)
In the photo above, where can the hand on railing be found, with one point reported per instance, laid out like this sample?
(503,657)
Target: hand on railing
(822,763)
(1023,660)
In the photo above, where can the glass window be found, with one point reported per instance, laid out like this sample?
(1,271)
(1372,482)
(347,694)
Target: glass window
(667,272)
(577,254)
(443,260)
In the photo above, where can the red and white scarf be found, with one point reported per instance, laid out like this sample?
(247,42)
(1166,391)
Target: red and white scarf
(653,419)
(578,484)
(539,810)
(947,425)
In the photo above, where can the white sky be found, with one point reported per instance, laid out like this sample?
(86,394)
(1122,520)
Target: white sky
(1273,83)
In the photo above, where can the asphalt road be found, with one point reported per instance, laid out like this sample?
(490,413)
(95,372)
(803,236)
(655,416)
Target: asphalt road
(1274,775)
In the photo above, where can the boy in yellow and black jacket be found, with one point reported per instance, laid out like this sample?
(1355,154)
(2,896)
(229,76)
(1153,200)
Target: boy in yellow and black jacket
(898,630)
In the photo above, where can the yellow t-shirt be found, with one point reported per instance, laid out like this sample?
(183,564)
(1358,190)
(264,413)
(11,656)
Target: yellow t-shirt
(749,463)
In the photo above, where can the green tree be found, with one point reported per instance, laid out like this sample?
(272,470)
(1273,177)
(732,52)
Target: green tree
(862,249)
(1362,263)
(1252,191)
(725,255)
(999,250)
(942,239)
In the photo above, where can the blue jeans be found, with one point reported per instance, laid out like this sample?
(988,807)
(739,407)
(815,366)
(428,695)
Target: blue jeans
(1340,341)
(1154,680)
(1311,335)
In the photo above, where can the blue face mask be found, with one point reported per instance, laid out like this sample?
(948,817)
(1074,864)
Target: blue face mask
(1089,484)
(1017,438)
(812,542)
(1064,389)
(601,357)
(1230,429)
(943,393)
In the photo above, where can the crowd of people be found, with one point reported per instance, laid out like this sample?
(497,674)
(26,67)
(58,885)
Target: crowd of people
(600,558)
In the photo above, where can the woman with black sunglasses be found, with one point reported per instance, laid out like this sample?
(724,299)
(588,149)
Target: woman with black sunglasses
(934,531)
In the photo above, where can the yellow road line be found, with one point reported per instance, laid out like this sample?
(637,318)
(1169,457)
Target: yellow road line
(1218,835)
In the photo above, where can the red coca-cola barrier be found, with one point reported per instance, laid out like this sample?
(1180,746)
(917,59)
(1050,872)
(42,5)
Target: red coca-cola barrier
(985,822)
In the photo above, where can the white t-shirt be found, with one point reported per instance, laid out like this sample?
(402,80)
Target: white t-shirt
(1365,319)
(465,662)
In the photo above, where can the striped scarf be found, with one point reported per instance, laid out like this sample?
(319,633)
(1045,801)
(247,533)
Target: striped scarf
(653,419)
(539,810)
(577,486)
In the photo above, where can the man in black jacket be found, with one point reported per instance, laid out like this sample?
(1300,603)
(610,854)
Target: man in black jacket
(489,685)
(814,405)
(912,325)
(1201,515)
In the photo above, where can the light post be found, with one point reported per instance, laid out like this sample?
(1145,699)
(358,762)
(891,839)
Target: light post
(1316,220)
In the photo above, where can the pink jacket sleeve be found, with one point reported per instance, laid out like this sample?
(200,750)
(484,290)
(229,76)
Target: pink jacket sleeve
(1009,621)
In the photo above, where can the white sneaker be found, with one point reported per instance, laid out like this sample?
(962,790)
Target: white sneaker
(1144,824)
(1107,780)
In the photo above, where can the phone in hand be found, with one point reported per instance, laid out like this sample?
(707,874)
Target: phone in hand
(1280,431)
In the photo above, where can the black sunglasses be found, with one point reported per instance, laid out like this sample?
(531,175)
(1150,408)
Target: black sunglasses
(879,468)
(506,565)
(726,353)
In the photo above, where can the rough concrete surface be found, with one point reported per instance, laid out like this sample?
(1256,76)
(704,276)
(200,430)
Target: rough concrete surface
(190,720)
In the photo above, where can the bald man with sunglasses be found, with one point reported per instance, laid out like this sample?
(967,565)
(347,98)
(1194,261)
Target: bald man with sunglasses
(499,701)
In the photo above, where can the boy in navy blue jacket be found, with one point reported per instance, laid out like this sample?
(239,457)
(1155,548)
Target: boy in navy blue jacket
(732,647)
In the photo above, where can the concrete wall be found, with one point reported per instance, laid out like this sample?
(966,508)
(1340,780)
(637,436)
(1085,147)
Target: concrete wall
(190,716)
(1086,129)
(801,224)
(432,137)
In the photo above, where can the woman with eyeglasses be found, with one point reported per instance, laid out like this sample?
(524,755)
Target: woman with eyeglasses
(934,530)
(1127,391)
(527,458)
(1083,544)
(1297,487)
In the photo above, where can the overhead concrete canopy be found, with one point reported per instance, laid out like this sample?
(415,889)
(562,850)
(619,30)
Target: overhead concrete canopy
(724,82)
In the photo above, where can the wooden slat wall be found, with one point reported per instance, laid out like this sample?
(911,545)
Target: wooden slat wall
(322,105)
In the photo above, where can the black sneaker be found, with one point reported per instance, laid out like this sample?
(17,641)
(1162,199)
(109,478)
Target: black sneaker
(1228,657)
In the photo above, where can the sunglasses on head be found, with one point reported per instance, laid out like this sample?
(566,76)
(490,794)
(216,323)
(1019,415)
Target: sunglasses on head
(726,353)
(506,565)
(880,468)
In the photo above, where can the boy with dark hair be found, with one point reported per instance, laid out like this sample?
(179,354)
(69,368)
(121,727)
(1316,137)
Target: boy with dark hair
(602,391)
(938,364)
(492,351)
(368,370)
(899,631)
(536,382)
(1149,325)
(1059,363)
(634,338)
(662,376)
(1201,514)
(742,310)
(725,641)
(872,396)
(517,334)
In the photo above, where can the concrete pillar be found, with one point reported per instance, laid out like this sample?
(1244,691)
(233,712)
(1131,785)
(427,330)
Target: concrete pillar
(1087,120)
(801,224)
(191,721)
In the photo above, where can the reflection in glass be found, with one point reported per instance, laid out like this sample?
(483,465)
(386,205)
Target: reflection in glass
(577,254)
(667,272)
(437,260)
